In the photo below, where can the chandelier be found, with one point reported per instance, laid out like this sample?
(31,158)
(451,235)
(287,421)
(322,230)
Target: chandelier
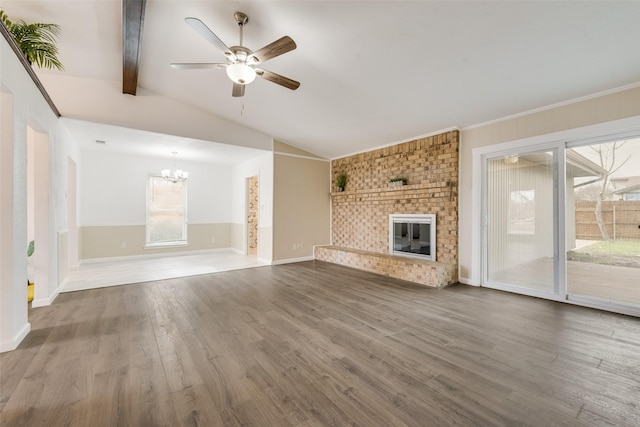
(176,175)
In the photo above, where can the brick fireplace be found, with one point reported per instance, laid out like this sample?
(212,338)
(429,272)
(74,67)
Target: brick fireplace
(428,168)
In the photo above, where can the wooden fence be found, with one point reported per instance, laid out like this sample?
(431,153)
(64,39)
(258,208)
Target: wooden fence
(621,218)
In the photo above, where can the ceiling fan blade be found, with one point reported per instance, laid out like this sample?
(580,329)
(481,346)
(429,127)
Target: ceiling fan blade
(238,90)
(196,65)
(277,48)
(278,79)
(209,35)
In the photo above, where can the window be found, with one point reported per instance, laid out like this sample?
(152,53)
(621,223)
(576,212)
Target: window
(166,212)
(522,212)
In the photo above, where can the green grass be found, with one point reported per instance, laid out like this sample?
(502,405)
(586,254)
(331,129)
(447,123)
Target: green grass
(622,253)
(620,247)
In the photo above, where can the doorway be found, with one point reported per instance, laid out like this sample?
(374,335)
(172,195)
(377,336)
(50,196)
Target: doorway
(252,214)
(562,221)
(603,232)
(520,233)
(38,202)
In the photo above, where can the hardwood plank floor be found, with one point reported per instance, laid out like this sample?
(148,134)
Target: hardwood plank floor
(316,344)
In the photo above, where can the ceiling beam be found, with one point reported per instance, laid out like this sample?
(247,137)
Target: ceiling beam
(132,25)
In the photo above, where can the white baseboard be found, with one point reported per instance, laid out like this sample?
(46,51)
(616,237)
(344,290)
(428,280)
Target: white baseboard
(265,260)
(15,342)
(466,281)
(43,302)
(292,260)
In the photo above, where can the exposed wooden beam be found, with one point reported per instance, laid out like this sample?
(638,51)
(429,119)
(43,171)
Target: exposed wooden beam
(132,25)
(14,46)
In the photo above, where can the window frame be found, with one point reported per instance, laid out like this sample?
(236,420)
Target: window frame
(165,243)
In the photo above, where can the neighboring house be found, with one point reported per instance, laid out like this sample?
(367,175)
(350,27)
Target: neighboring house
(626,188)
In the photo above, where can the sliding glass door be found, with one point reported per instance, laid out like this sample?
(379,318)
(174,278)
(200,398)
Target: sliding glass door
(520,250)
(603,222)
(579,199)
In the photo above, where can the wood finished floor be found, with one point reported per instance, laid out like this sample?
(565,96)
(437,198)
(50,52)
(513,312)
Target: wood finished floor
(316,344)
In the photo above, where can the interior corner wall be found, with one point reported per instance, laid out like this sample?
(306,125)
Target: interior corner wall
(23,105)
(563,119)
(45,276)
(14,324)
(301,206)
(361,213)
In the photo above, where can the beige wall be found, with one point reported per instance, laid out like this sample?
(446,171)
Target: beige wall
(301,206)
(106,241)
(265,244)
(579,114)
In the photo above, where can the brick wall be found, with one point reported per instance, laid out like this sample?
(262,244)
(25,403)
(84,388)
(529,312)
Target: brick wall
(360,214)
(422,271)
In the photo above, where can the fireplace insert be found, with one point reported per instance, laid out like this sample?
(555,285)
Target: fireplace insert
(413,235)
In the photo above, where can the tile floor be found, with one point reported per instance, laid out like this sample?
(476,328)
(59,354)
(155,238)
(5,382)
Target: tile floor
(100,274)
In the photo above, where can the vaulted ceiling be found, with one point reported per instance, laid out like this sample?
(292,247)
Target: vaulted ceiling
(371,72)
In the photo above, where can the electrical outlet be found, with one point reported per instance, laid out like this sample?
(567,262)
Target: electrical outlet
(123,245)
(213,240)
(294,246)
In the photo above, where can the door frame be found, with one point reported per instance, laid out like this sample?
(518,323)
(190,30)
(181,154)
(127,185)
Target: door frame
(558,214)
(618,129)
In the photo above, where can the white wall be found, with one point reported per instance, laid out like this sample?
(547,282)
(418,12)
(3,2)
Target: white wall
(23,105)
(113,205)
(113,189)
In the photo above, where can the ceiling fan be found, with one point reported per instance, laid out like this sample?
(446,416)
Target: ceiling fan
(243,64)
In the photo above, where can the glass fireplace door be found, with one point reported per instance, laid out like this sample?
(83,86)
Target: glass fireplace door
(413,235)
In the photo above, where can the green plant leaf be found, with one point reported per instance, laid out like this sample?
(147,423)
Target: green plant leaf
(37,41)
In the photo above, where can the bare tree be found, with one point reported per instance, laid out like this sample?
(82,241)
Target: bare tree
(607,156)
(590,191)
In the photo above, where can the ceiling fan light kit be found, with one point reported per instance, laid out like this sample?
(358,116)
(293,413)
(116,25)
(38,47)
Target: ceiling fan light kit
(242,62)
(241,73)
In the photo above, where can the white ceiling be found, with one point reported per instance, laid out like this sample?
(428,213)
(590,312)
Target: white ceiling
(371,72)
(100,138)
